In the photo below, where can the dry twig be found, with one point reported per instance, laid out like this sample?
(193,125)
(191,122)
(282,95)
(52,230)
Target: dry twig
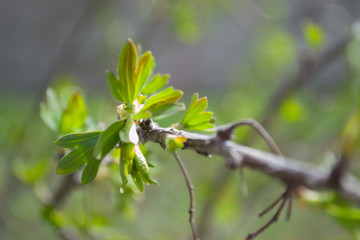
(191,193)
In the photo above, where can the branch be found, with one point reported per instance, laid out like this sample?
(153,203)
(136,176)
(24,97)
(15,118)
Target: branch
(309,65)
(292,172)
(191,193)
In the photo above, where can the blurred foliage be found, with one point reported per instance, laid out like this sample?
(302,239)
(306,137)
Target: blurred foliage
(316,120)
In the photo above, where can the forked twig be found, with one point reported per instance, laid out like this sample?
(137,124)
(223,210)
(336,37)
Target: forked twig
(227,130)
(286,197)
(191,193)
(308,67)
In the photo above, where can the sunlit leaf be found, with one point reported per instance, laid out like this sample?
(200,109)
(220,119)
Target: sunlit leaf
(194,97)
(143,71)
(196,118)
(350,137)
(73,117)
(116,91)
(126,71)
(174,142)
(314,34)
(142,115)
(156,83)
(167,110)
(293,110)
(108,139)
(50,111)
(29,172)
(132,74)
(128,133)
(167,96)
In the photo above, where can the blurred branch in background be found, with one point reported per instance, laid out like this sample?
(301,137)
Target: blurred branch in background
(62,50)
(308,66)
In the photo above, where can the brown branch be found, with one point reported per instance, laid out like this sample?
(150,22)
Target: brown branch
(291,172)
(191,193)
(309,65)
(226,132)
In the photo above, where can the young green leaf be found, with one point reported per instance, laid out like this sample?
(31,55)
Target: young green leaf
(85,139)
(167,110)
(167,96)
(128,133)
(116,91)
(173,142)
(142,115)
(126,71)
(143,71)
(108,139)
(132,74)
(313,34)
(50,111)
(73,117)
(156,83)
(196,118)
(73,160)
(194,97)
(126,161)
(83,144)
(142,166)
(90,171)
(137,179)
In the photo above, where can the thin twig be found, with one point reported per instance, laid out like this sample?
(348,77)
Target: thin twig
(308,67)
(288,215)
(272,205)
(285,199)
(243,185)
(226,132)
(191,193)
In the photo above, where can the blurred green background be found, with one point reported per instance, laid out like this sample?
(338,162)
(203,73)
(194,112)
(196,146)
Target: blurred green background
(235,52)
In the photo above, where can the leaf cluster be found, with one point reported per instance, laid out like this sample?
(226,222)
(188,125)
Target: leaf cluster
(142,95)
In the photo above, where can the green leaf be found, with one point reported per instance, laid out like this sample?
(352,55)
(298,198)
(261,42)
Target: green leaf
(73,160)
(194,97)
(128,133)
(196,118)
(314,34)
(157,82)
(167,110)
(142,166)
(142,115)
(83,144)
(143,71)
(90,171)
(126,71)
(108,139)
(28,171)
(132,74)
(73,117)
(114,88)
(85,139)
(137,179)
(174,142)
(50,111)
(167,96)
